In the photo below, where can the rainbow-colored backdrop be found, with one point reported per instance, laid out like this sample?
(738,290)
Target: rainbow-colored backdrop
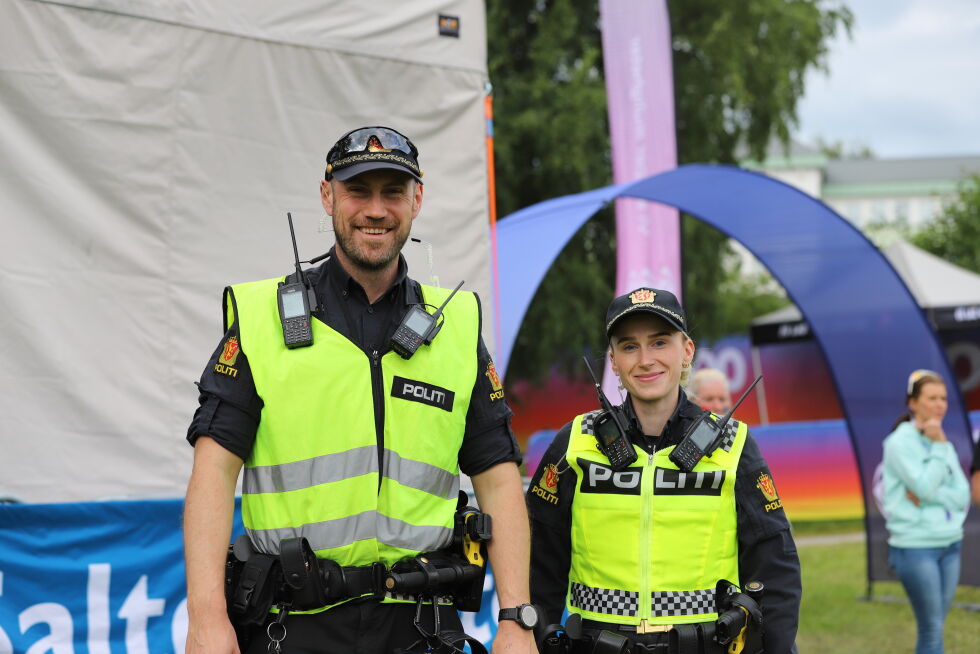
(812,462)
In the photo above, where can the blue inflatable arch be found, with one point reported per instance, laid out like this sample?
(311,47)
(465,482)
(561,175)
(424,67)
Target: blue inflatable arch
(871,331)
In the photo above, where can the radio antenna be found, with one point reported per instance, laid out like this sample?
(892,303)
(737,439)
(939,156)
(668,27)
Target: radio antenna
(300,276)
(603,400)
(292,235)
(435,316)
(434,328)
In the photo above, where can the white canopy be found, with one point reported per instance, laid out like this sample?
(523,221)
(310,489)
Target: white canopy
(933,282)
(150,152)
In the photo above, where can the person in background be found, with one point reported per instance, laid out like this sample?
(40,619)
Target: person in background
(975,474)
(708,389)
(925,504)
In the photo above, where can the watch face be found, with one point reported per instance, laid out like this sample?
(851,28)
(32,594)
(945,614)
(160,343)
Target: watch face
(529,616)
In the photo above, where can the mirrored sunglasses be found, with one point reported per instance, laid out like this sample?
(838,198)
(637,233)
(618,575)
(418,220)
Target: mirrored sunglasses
(371,139)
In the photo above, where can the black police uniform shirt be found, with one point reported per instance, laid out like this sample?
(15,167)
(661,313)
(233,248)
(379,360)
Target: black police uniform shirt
(767,552)
(230,407)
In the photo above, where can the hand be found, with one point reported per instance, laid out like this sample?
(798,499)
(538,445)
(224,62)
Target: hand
(932,428)
(512,638)
(211,637)
(912,497)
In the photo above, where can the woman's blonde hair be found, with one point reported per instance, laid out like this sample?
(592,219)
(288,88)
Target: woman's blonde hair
(687,368)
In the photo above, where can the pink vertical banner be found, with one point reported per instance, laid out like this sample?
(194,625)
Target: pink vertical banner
(640,93)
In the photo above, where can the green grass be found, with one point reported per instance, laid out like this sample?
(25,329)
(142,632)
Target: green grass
(835,619)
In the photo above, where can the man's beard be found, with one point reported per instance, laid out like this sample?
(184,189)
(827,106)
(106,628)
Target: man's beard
(345,241)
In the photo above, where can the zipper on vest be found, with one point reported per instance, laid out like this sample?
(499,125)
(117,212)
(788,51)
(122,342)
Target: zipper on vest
(379,411)
(644,602)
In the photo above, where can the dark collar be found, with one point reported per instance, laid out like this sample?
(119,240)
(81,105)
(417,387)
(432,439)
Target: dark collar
(344,284)
(685,412)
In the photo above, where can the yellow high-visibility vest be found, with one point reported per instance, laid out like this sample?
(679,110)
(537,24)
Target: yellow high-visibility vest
(314,468)
(649,543)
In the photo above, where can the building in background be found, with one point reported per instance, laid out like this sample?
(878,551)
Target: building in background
(869,191)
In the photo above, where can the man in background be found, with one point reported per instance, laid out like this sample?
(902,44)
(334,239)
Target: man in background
(708,389)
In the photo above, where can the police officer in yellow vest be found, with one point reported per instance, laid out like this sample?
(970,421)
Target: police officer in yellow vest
(345,442)
(640,551)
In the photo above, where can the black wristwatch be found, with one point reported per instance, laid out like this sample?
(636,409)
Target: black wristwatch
(525,615)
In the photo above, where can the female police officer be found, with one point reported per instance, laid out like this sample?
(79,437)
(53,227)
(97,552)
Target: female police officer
(639,551)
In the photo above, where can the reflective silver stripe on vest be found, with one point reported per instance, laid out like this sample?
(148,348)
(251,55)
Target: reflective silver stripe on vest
(310,472)
(321,535)
(623,602)
(420,475)
(682,602)
(344,531)
(604,600)
(397,533)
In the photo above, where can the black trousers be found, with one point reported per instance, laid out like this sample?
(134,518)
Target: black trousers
(358,627)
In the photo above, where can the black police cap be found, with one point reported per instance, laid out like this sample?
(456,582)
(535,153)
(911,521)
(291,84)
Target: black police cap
(662,304)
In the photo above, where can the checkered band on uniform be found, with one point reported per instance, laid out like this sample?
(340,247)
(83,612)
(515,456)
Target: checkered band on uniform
(588,422)
(602,600)
(682,602)
(731,429)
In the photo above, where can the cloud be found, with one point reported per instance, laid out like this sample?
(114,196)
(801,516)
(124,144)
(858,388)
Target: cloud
(907,84)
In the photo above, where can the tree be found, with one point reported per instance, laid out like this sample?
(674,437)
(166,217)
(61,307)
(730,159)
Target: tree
(739,70)
(955,234)
(838,150)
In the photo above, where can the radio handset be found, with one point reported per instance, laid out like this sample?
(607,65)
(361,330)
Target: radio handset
(296,303)
(704,436)
(610,432)
(418,327)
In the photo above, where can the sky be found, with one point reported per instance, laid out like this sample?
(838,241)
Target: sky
(906,84)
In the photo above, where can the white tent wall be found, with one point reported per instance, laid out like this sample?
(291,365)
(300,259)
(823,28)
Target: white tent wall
(149,152)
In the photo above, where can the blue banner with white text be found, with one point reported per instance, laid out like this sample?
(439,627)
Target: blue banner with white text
(108,578)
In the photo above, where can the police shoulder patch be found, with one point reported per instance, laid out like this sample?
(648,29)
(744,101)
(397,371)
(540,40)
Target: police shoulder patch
(496,386)
(547,486)
(549,480)
(768,489)
(228,357)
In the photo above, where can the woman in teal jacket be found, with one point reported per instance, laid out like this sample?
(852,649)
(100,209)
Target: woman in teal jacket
(926,500)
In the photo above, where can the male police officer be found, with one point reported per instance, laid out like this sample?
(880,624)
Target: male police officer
(337,443)
(640,551)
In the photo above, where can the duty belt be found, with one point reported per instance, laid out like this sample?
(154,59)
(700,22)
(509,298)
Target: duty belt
(298,578)
(691,638)
(643,628)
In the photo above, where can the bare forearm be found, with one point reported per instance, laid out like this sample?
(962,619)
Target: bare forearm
(975,487)
(500,494)
(208,512)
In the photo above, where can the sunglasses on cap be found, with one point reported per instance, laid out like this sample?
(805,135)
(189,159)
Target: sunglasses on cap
(916,376)
(372,139)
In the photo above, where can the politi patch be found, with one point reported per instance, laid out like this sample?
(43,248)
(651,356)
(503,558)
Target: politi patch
(496,386)
(547,486)
(768,489)
(229,355)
